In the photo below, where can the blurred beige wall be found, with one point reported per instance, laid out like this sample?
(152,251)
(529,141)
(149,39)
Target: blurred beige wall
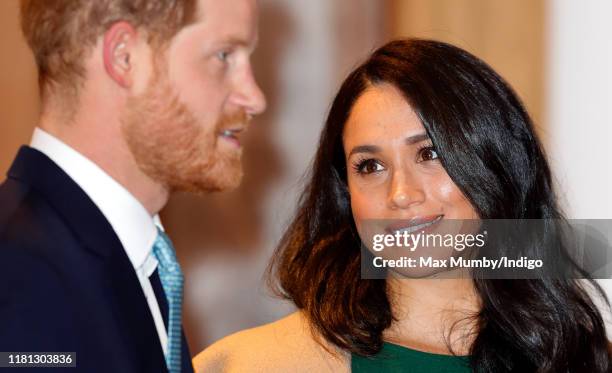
(508,35)
(19,102)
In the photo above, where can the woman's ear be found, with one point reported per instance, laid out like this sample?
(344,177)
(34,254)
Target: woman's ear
(119,43)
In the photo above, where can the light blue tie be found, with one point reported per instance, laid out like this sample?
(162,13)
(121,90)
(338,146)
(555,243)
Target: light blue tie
(171,278)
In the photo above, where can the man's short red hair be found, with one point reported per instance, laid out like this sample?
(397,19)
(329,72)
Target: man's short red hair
(62,32)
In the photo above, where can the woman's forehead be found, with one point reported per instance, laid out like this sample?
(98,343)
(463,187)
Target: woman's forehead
(381,112)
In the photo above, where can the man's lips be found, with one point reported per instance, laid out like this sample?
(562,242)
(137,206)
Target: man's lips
(232,134)
(414,224)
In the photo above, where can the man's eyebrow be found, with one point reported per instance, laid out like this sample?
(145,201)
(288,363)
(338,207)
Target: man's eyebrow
(364,149)
(411,140)
(240,42)
(236,41)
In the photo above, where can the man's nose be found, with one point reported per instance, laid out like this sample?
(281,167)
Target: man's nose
(248,95)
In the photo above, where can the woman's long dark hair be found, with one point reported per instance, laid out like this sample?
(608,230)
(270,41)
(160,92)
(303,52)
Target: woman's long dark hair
(486,142)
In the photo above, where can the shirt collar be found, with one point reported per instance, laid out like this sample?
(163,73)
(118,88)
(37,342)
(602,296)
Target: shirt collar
(129,219)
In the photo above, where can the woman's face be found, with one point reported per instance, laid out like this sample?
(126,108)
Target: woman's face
(393,170)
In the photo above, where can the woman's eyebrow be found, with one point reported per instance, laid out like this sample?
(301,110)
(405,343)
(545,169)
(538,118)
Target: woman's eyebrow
(365,149)
(411,140)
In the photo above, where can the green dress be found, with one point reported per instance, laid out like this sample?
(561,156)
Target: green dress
(394,358)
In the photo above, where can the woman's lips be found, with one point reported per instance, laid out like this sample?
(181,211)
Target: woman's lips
(414,224)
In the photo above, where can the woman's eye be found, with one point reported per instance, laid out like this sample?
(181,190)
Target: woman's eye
(428,154)
(369,166)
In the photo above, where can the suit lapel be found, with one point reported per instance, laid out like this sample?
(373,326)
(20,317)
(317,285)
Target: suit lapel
(96,235)
(136,315)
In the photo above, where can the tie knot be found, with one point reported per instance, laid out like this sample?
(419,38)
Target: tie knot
(164,252)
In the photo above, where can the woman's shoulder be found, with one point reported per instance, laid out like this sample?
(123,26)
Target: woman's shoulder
(286,345)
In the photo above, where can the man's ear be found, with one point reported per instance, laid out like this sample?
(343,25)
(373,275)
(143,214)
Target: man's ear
(119,45)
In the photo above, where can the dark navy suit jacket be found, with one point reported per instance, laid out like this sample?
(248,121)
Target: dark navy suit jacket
(66,283)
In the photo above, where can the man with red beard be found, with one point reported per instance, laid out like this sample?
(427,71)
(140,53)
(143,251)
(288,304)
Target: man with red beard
(140,98)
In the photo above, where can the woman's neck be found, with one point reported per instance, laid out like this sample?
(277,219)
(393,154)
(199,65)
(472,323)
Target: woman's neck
(432,314)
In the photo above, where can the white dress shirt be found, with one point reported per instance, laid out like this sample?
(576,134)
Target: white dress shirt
(129,219)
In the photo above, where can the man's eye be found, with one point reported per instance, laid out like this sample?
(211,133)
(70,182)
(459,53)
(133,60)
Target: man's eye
(368,166)
(427,153)
(223,55)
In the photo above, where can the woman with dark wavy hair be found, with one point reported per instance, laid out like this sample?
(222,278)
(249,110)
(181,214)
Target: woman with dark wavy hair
(422,131)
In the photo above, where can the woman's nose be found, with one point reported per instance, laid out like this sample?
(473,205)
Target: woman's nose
(404,192)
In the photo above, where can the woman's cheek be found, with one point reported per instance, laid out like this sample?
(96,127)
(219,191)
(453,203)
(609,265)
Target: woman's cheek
(456,206)
(367,203)
(446,190)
